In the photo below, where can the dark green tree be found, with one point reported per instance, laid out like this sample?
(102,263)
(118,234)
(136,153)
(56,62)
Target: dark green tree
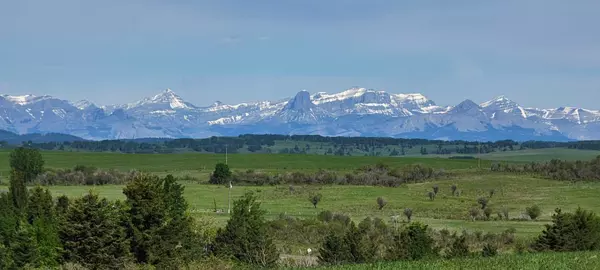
(24,247)
(579,231)
(18,192)
(92,234)
(42,217)
(459,247)
(221,175)
(334,250)
(28,162)
(315,199)
(245,236)
(159,227)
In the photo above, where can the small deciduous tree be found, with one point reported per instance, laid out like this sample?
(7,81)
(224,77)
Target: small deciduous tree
(381,202)
(487,212)
(483,202)
(408,213)
(474,213)
(453,188)
(28,162)
(315,199)
(221,175)
(533,212)
(436,189)
(431,195)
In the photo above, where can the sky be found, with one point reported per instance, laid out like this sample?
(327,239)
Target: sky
(539,53)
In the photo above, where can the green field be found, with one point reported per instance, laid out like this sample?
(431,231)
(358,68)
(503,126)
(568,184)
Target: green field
(196,163)
(538,155)
(446,211)
(558,261)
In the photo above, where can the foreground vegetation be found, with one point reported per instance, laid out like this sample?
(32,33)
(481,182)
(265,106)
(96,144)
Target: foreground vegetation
(168,223)
(532,261)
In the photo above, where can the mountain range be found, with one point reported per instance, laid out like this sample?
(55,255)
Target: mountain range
(353,112)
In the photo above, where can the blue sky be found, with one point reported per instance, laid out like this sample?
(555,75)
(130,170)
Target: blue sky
(540,53)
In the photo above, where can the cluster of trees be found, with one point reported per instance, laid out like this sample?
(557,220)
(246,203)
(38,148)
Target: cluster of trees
(83,175)
(556,169)
(377,175)
(152,226)
(262,143)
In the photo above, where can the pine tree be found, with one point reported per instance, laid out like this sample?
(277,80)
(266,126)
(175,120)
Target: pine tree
(42,217)
(92,234)
(245,236)
(24,247)
(18,192)
(159,228)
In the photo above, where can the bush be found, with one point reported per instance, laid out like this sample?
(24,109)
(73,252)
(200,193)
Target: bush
(453,188)
(483,202)
(459,247)
(220,175)
(431,195)
(325,216)
(413,243)
(492,192)
(487,212)
(489,250)
(505,213)
(533,212)
(579,231)
(381,202)
(408,213)
(315,199)
(474,213)
(436,189)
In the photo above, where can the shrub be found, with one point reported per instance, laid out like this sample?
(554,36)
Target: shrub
(325,216)
(413,243)
(505,212)
(483,202)
(487,212)
(431,195)
(474,213)
(436,188)
(408,213)
(315,199)
(459,247)
(489,250)
(579,231)
(492,192)
(533,212)
(381,202)
(453,188)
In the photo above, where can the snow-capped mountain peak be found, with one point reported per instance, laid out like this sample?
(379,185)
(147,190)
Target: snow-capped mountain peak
(166,99)
(352,112)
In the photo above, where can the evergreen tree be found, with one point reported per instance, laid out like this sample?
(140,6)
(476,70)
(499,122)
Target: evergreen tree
(24,247)
(42,217)
(6,260)
(334,251)
(245,236)
(92,234)
(221,175)
(18,191)
(159,227)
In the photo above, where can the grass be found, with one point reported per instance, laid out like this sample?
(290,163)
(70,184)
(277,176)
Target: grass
(571,261)
(538,155)
(201,164)
(446,211)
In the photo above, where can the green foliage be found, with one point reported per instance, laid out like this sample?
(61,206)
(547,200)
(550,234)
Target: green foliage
(474,213)
(28,162)
(381,202)
(42,216)
(483,202)
(6,259)
(412,243)
(334,250)
(315,199)
(436,189)
(489,250)
(492,192)
(459,247)
(221,174)
(579,231)
(92,235)
(24,247)
(533,212)
(487,212)
(431,195)
(18,191)
(159,228)
(408,212)
(245,236)
(62,205)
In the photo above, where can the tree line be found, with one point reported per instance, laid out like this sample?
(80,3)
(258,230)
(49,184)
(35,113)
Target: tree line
(555,169)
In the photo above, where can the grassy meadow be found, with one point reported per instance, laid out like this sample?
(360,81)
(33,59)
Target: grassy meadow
(534,261)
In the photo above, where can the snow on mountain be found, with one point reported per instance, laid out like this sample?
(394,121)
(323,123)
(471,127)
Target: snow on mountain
(352,112)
